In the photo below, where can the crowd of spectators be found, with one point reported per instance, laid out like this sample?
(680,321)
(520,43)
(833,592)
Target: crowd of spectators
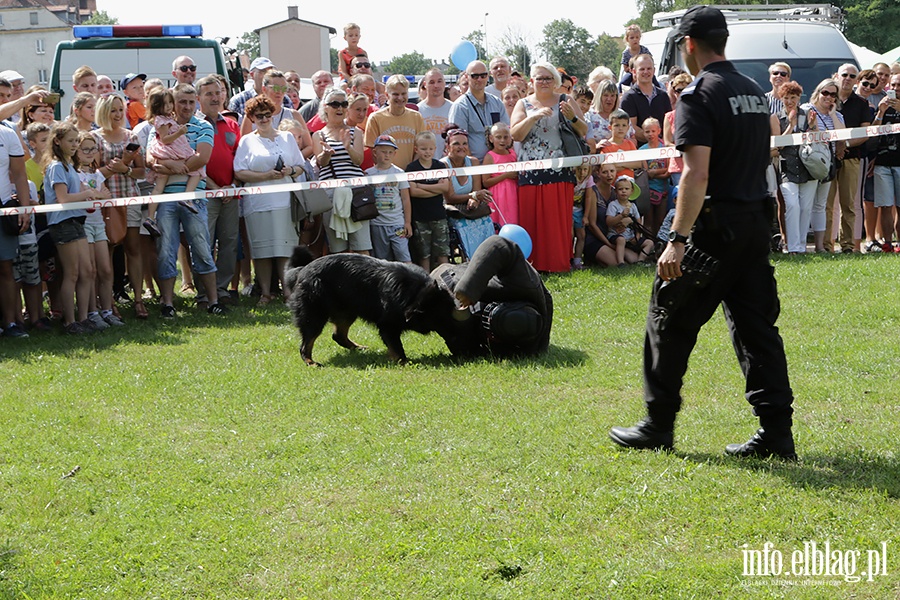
(85,268)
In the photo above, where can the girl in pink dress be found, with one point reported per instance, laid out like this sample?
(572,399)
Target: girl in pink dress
(504,187)
(169,143)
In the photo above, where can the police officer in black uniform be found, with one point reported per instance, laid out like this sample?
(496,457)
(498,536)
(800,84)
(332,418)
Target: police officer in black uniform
(722,130)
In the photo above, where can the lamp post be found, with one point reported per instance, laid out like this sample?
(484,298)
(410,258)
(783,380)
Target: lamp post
(486,54)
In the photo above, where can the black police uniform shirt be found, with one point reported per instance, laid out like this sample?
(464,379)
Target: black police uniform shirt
(889,145)
(727,112)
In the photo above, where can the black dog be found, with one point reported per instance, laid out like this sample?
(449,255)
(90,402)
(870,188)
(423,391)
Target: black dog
(341,288)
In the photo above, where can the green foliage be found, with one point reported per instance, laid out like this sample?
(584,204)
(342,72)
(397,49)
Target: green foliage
(411,63)
(573,48)
(215,464)
(516,47)
(101,17)
(874,24)
(477,39)
(335,58)
(248,44)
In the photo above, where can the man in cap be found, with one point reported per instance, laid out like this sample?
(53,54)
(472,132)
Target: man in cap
(258,69)
(718,250)
(16,80)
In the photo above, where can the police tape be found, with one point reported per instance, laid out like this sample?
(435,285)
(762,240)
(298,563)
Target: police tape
(618,157)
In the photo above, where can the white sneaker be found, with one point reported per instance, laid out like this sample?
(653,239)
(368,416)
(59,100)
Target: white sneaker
(247,290)
(114,320)
(98,321)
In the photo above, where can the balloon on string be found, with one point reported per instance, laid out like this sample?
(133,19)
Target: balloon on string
(517,234)
(462,54)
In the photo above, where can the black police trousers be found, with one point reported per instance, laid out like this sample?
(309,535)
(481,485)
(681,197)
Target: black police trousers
(744,284)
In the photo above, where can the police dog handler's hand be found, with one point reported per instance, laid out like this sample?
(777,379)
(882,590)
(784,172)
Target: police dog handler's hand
(668,267)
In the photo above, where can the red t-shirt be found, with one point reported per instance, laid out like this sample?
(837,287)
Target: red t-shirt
(347,56)
(220,167)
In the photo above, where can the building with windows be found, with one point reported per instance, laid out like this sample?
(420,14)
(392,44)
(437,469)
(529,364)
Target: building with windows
(30,30)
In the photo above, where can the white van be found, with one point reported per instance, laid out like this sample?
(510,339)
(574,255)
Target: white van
(804,36)
(117,50)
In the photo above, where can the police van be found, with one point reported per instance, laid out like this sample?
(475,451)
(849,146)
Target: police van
(805,36)
(117,50)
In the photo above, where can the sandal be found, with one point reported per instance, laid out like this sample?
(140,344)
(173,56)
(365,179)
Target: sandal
(265,299)
(140,311)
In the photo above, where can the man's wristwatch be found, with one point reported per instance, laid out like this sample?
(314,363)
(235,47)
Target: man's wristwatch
(677,238)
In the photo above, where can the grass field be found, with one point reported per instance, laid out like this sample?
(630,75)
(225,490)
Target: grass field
(215,464)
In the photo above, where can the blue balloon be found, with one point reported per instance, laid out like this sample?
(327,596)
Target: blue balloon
(517,234)
(462,54)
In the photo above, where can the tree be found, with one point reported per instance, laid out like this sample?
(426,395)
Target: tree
(874,24)
(477,38)
(608,51)
(249,45)
(335,60)
(412,63)
(516,47)
(572,48)
(101,18)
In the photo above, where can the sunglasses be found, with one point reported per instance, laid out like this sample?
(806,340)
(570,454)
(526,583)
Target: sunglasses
(186,68)
(678,90)
(868,84)
(850,75)
(478,75)
(779,74)
(279,88)
(362,65)
(337,104)
(262,116)
(828,94)
(90,150)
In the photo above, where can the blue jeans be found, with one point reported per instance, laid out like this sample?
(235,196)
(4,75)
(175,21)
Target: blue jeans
(168,217)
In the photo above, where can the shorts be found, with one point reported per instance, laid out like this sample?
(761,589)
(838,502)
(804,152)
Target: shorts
(95,232)
(578,217)
(25,266)
(656,197)
(358,241)
(387,244)
(430,238)
(9,246)
(70,230)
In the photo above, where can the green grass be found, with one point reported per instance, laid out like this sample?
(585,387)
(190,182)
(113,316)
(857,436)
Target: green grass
(215,464)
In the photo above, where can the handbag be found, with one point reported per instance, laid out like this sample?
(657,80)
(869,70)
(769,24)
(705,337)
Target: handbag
(817,158)
(116,220)
(308,203)
(10,223)
(362,207)
(479,212)
(573,144)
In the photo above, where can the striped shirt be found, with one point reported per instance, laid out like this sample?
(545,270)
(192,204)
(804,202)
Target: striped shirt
(341,165)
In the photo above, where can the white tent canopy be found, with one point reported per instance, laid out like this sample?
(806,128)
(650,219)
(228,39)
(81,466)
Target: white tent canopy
(891,56)
(865,57)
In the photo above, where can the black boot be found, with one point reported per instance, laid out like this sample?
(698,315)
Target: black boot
(646,435)
(766,442)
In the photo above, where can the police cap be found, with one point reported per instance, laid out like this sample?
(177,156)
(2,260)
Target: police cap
(703,23)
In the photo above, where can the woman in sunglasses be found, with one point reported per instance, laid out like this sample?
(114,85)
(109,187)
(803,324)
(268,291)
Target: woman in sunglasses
(868,82)
(268,157)
(275,86)
(338,149)
(823,108)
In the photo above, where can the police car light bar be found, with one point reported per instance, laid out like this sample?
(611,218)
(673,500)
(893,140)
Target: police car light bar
(124,31)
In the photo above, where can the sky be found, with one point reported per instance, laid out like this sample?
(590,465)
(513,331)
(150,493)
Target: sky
(384,34)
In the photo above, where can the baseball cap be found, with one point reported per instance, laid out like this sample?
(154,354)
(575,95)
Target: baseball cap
(702,22)
(635,188)
(123,83)
(12,76)
(261,63)
(386,140)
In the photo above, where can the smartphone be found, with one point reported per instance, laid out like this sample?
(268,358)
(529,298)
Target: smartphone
(892,94)
(279,164)
(51,99)
(133,147)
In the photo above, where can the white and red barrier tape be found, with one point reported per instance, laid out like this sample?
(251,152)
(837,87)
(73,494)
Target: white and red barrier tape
(779,141)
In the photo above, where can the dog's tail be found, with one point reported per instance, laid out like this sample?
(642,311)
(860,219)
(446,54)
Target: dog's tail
(300,257)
